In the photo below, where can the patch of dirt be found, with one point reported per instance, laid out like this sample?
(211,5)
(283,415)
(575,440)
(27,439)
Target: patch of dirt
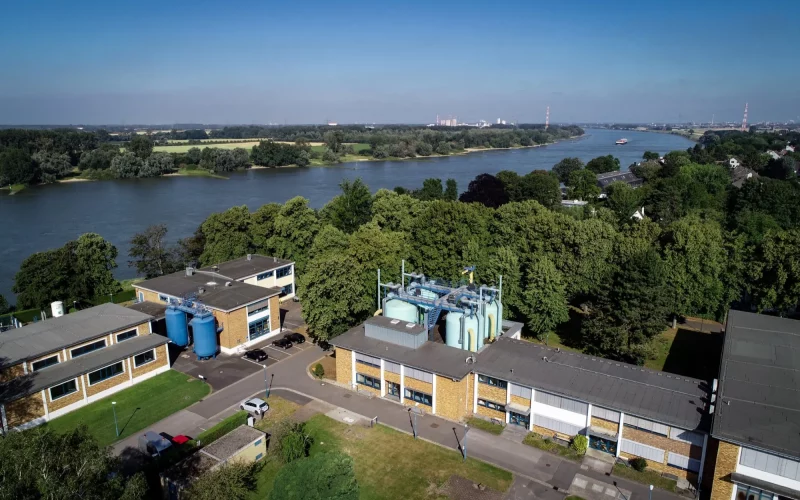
(459,488)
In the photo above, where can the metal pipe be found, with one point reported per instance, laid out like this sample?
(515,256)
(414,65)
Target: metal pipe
(473,341)
(379,288)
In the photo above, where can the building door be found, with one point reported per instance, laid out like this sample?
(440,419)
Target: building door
(519,419)
(393,389)
(603,444)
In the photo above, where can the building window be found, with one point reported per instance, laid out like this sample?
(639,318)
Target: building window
(419,397)
(557,425)
(390,367)
(491,405)
(258,328)
(771,464)
(368,360)
(561,402)
(283,272)
(259,310)
(646,425)
(286,290)
(494,382)
(141,296)
(264,276)
(144,358)
(368,381)
(748,493)
(105,373)
(259,456)
(86,349)
(122,337)
(62,390)
(44,363)
(257,443)
(163,298)
(393,389)
(418,374)
(683,462)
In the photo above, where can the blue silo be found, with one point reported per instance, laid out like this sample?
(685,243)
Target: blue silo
(176,327)
(205,336)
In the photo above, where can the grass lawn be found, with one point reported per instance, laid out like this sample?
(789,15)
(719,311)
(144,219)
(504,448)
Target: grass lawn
(390,464)
(537,441)
(485,425)
(574,497)
(199,172)
(687,352)
(16,188)
(182,148)
(137,407)
(279,409)
(644,477)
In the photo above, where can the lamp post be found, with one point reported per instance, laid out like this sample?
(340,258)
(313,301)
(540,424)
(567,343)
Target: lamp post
(114,409)
(269,386)
(266,386)
(464,443)
(651,492)
(415,411)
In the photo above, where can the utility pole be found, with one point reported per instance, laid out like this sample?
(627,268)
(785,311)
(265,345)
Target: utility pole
(547,118)
(744,120)
(114,409)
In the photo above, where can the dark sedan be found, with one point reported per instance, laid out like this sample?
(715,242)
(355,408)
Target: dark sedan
(294,337)
(284,343)
(256,355)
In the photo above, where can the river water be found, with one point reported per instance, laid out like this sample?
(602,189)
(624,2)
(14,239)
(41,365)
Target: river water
(46,217)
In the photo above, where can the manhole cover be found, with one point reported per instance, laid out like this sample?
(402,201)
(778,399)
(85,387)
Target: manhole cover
(347,395)
(434,426)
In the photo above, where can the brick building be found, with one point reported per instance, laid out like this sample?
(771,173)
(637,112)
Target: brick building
(244,296)
(53,367)
(624,410)
(756,411)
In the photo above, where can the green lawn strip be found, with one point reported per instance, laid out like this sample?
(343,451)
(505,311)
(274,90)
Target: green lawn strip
(279,410)
(390,464)
(199,172)
(485,425)
(644,477)
(137,407)
(574,497)
(537,441)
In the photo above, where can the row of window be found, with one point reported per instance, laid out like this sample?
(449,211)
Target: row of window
(491,405)
(494,382)
(646,425)
(253,312)
(419,397)
(368,360)
(771,464)
(86,349)
(264,276)
(283,272)
(561,402)
(287,290)
(80,351)
(258,328)
(67,388)
(368,381)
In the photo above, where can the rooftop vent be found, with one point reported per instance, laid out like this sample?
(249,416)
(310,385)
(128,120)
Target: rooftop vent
(394,321)
(249,256)
(228,283)
(189,271)
(410,325)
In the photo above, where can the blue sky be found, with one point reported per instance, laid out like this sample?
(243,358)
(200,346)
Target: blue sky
(267,61)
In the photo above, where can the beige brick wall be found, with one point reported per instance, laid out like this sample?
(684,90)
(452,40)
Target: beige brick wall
(24,410)
(123,377)
(344,363)
(148,295)
(605,424)
(370,371)
(543,431)
(662,442)
(520,401)
(663,467)
(452,398)
(161,360)
(12,372)
(488,412)
(143,329)
(274,313)
(66,400)
(492,393)
(235,327)
(727,456)
(418,385)
(391,377)
(251,451)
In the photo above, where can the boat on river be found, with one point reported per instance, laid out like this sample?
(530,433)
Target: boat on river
(621,142)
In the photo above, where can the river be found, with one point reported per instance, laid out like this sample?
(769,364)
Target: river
(46,217)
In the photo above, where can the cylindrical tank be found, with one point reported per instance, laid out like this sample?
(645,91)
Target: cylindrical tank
(397,309)
(471,323)
(176,327)
(452,329)
(57,308)
(492,313)
(205,336)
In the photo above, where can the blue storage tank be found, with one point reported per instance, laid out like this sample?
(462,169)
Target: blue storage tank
(205,336)
(177,331)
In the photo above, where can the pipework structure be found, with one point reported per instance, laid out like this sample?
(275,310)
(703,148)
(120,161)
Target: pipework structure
(474,313)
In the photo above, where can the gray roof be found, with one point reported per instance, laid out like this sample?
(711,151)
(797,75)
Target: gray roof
(758,397)
(54,334)
(219,291)
(226,446)
(431,356)
(243,268)
(603,180)
(154,309)
(634,390)
(69,370)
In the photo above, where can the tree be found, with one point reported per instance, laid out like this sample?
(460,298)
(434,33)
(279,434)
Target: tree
(4,306)
(673,161)
(431,190)
(603,164)
(395,212)
(582,185)
(629,312)
(443,148)
(296,225)
(333,139)
(329,293)
(194,155)
(451,191)
(512,183)
(647,170)
(544,301)
(44,277)
(565,167)
(650,155)
(232,481)
(487,190)
(262,228)
(157,164)
(52,165)
(543,187)
(40,463)
(95,260)
(227,236)
(296,443)
(623,200)
(141,146)
(503,261)
(151,255)
(350,209)
(126,165)
(424,149)
(99,159)
(16,167)
(775,273)
(326,476)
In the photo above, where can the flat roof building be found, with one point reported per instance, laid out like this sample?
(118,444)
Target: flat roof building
(55,366)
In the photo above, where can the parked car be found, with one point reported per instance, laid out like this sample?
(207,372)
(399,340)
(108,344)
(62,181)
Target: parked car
(324,345)
(284,343)
(255,405)
(153,444)
(295,337)
(256,354)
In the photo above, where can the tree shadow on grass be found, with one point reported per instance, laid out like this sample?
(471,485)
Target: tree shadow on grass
(694,354)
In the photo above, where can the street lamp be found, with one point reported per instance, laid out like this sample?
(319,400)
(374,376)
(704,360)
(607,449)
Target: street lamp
(271,377)
(651,492)
(464,443)
(114,409)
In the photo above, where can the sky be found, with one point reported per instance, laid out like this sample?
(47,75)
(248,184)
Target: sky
(242,62)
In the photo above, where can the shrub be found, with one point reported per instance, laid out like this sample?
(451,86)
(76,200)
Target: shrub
(295,444)
(580,444)
(638,463)
(319,371)
(222,428)
(329,476)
